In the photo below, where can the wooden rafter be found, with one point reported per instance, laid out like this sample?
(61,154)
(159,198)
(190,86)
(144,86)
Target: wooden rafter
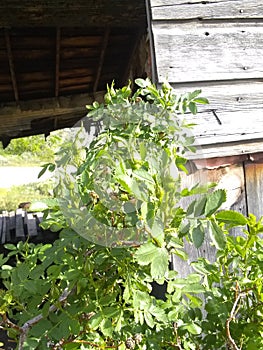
(102,56)
(11,65)
(58,35)
(134,47)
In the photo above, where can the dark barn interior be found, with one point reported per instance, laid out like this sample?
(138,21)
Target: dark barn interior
(57,56)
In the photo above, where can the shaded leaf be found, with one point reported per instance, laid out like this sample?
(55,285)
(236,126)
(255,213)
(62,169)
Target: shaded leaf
(217,235)
(200,206)
(214,201)
(198,236)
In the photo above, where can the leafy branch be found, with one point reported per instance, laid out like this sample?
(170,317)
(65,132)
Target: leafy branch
(24,329)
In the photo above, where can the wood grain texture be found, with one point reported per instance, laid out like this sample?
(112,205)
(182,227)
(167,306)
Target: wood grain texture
(227,127)
(234,185)
(213,9)
(240,95)
(226,149)
(233,115)
(254,188)
(191,52)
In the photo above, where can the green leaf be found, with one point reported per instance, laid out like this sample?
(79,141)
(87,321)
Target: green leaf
(156,256)
(193,108)
(146,253)
(200,206)
(193,288)
(157,231)
(198,236)
(201,100)
(232,217)
(141,83)
(96,320)
(217,235)
(160,263)
(192,328)
(195,301)
(149,319)
(214,201)
(106,327)
(143,175)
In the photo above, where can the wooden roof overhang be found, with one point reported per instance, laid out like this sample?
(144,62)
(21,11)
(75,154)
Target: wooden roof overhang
(57,56)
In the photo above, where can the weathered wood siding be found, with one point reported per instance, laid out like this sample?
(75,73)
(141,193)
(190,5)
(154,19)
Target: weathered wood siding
(216,46)
(244,185)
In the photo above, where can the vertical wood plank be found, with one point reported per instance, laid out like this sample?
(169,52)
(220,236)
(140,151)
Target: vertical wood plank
(233,179)
(30,223)
(3,237)
(1,227)
(254,188)
(20,234)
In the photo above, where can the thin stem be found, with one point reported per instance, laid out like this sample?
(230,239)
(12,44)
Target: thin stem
(231,317)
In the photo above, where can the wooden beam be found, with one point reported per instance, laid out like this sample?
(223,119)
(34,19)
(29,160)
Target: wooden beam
(102,56)
(11,65)
(28,118)
(68,13)
(58,34)
(134,48)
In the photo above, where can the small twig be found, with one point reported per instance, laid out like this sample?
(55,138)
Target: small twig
(10,324)
(95,345)
(178,340)
(27,325)
(238,296)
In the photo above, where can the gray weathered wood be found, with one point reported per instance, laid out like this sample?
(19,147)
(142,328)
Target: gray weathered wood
(232,180)
(237,95)
(197,9)
(7,224)
(40,216)
(226,149)
(190,52)
(19,224)
(30,223)
(12,220)
(234,114)
(254,188)
(1,228)
(4,230)
(228,126)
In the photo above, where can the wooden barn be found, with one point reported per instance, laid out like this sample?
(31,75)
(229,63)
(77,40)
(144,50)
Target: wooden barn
(57,56)
(217,46)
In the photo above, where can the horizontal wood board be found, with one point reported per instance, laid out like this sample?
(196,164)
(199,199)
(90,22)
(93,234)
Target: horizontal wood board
(191,52)
(213,9)
(215,46)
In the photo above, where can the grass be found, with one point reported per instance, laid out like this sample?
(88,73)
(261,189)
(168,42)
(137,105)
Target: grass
(25,159)
(10,198)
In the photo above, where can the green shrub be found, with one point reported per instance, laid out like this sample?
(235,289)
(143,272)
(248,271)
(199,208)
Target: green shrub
(120,218)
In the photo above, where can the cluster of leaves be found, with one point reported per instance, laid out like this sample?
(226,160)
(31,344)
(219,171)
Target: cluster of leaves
(78,294)
(32,149)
